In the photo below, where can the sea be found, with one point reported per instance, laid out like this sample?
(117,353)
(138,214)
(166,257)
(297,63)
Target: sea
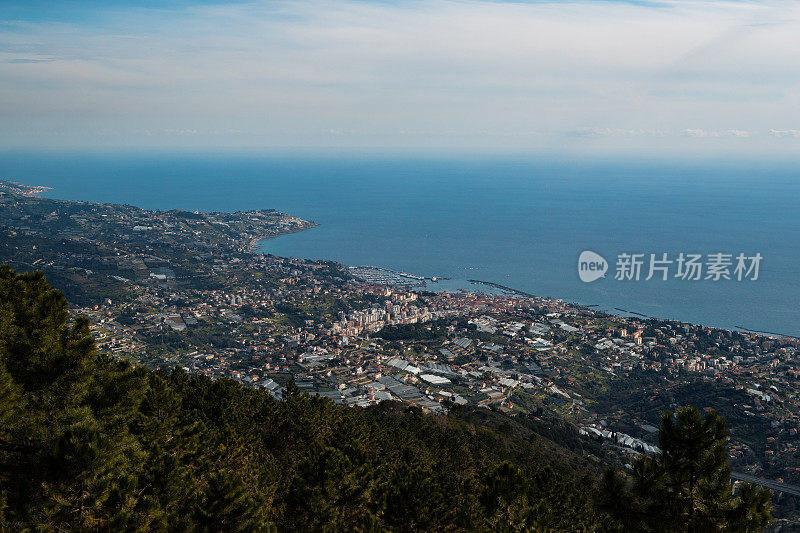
(518,221)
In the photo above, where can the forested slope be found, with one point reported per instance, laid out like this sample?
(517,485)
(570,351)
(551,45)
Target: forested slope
(90,443)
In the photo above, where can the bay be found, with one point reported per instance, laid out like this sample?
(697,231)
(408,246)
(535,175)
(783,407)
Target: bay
(517,221)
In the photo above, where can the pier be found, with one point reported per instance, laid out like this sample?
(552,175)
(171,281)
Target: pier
(504,288)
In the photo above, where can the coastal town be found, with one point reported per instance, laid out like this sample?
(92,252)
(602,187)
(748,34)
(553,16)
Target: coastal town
(189,290)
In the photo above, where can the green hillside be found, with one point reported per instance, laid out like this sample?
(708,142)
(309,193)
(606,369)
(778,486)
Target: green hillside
(92,444)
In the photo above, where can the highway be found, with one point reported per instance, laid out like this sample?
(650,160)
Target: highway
(773,485)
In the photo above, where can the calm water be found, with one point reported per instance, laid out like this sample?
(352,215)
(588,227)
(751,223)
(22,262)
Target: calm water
(518,222)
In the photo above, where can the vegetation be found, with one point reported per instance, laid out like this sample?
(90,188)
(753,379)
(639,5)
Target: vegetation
(414,332)
(89,443)
(687,486)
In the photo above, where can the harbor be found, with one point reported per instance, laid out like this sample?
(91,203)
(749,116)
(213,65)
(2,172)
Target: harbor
(386,276)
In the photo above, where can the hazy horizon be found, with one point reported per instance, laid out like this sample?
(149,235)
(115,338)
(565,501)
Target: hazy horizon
(699,79)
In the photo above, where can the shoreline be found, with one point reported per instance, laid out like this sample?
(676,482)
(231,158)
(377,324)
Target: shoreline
(33,191)
(511,291)
(254,242)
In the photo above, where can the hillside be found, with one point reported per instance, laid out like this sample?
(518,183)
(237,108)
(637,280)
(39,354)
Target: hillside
(90,443)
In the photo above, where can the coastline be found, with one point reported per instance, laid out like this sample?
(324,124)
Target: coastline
(253,247)
(255,241)
(511,291)
(355,232)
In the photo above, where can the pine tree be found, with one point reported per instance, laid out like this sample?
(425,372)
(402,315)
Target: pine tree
(225,505)
(88,443)
(687,486)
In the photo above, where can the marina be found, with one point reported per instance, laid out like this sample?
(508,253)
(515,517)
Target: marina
(385,276)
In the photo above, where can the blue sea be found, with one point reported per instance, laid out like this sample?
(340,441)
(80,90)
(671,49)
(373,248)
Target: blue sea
(517,221)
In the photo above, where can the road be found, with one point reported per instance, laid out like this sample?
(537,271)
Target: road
(773,485)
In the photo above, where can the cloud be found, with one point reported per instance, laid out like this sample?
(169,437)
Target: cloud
(785,133)
(696,132)
(470,73)
(618,132)
(37,60)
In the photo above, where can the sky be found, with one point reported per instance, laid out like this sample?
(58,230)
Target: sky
(686,77)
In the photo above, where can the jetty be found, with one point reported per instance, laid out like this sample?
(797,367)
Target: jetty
(509,290)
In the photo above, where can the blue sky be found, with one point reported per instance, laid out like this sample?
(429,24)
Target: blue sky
(699,77)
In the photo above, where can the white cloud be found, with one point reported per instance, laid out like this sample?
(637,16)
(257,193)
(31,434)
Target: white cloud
(697,132)
(467,73)
(785,133)
(619,132)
